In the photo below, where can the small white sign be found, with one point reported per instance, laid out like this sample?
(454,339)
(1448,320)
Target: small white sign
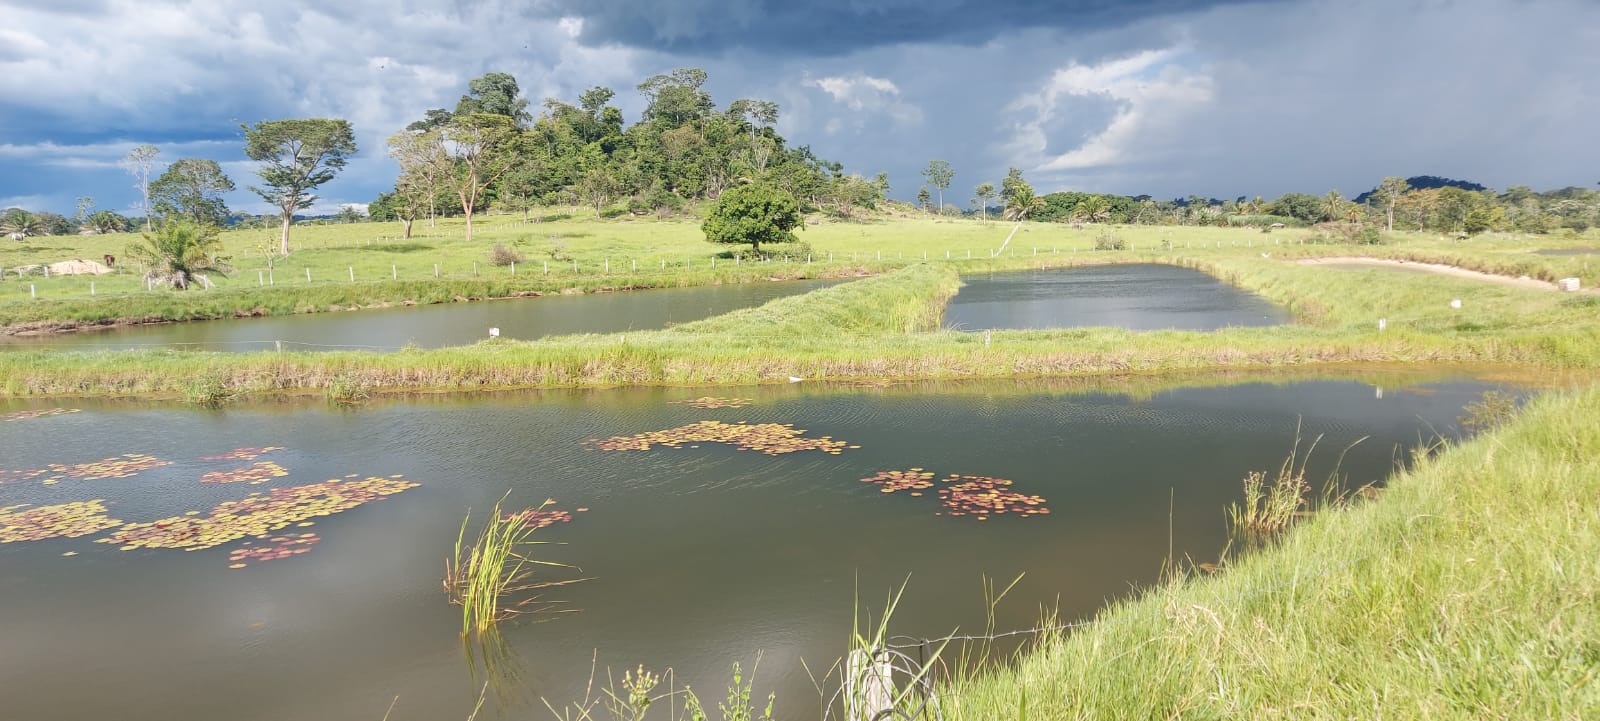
(494,332)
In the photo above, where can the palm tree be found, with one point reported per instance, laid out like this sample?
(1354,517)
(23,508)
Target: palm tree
(102,222)
(179,253)
(18,224)
(1333,205)
(1094,208)
(1022,202)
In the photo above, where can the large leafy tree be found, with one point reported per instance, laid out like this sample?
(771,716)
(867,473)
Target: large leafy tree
(297,157)
(425,169)
(192,188)
(485,147)
(494,94)
(179,254)
(755,213)
(1388,196)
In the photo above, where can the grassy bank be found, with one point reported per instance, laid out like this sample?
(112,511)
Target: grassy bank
(364,265)
(870,329)
(1469,590)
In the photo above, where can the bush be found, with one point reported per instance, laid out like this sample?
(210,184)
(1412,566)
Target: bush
(502,256)
(1108,240)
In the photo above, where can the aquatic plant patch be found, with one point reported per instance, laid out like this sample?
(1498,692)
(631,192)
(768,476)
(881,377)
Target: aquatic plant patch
(274,548)
(19,475)
(770,438)
(255,474)
(41,413)
(242,454)
(714,402)
(257,514)
(915,480)
(541,517)
(123,466)
(983,496)
(65,520)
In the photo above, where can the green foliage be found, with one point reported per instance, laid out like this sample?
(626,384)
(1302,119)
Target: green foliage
(1491,410)
(192,188)
(756,213)
(179,253)
(297,156)
(939,174)
(494,94)
(18,224)
(497,564)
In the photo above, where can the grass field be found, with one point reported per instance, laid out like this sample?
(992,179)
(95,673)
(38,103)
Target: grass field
(884,328)
(1471,590)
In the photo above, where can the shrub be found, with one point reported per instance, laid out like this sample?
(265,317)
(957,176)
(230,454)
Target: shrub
(501,255)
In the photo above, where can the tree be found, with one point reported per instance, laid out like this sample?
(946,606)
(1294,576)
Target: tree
(18,224)
(424,166)
(485,146)
(179,254)
(598,188)
(139,162)
(103,222)
(1094,208)
(494,94)
(1333,206)
(981,197)
(755,213)
(939,174)
(1020,202)
(298,156)
(193,188)
(1387,195)
(924,199)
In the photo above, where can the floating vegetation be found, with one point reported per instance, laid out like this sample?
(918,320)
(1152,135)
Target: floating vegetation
(121,466)
(66,520)
(537,518)
(983,496)
(256,515)
(20,475)
(498,564)
(242,454)
(770,438)
(915,480)
(275,547)
(255,474)
(712,402)
(25,415)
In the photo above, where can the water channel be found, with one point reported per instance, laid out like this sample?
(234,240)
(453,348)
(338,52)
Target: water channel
(435,326)
(699,555)
(1137,296)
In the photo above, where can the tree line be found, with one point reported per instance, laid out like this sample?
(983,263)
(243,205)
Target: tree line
(490,151)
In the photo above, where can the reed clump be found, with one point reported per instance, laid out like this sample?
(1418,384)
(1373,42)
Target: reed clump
(483,577)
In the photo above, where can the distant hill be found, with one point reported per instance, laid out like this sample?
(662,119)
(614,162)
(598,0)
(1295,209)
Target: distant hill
(1428,182)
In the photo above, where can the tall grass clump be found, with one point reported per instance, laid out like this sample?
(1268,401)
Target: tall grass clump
(874,679)
(496,565)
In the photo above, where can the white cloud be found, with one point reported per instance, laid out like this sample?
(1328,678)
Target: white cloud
(1155,98)
(866,95)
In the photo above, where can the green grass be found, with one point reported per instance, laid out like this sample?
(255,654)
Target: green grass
(1469,590)
(880,328)
(497,565)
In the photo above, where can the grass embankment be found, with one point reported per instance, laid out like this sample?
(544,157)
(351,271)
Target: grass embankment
(1470,590)
(869,330)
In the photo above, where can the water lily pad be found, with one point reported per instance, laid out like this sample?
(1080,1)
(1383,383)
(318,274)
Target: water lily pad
(984,496)
(66,520)
(40,413)
(712,402)
(243,454)
(769,438)
(276,547)
(123,466)
(256,514)
(255,474)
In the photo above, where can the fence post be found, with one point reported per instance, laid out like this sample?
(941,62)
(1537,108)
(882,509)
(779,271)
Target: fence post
(261,278)
(635,264)
(308,274)
(435,270)
(33,293)
(394,272)
(547,267)
(513,267)
(91,287)
(352,270)
(474,268)
(574,265)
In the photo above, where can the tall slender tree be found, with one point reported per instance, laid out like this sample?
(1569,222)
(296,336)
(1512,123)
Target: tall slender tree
(982,195)
(297,157)
(485,146)
(939,174)
(139,162)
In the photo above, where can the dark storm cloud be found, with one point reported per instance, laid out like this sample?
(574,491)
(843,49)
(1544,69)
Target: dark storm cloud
(832,27)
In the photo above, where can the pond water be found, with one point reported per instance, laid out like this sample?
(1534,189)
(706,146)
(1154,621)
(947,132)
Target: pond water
(435,326)
(699,555)
(1139,296)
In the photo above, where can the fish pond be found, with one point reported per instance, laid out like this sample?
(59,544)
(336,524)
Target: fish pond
(1136,296)
(435,326)
(283,560)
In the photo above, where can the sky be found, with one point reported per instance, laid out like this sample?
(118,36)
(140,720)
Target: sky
(1161,97)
